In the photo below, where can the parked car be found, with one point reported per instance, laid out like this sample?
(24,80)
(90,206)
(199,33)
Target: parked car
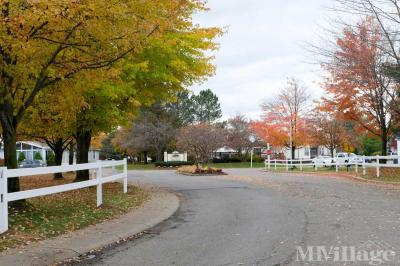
(346,157)
(323,161)
(353,158)
(32,164)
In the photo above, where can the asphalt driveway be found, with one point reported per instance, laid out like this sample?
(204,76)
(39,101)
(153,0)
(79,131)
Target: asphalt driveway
(255,218)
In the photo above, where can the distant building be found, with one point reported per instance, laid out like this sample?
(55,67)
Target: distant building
(31,148)
(225,153)
(394,146)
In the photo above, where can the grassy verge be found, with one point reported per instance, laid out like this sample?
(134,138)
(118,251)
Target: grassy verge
(386,174)
(52,215)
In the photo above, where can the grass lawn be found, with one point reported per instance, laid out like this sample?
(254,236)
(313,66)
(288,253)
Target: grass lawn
(216,165)
(141,166)
(52,215)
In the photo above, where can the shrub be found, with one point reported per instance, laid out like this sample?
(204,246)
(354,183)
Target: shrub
(21,157)
(376,153)
(227,160)
(172,164)
(51,158)
(37,156)
(256,158)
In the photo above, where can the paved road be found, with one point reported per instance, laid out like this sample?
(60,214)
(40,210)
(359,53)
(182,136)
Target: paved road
(256,218)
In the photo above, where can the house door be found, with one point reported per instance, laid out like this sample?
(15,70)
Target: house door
(314,152)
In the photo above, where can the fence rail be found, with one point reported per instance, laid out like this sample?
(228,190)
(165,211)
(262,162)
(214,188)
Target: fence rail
(362,162)
(98,181)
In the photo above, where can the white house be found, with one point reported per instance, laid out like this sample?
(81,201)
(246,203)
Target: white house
(394,146)
(31,148)
(308,152)
(225,153)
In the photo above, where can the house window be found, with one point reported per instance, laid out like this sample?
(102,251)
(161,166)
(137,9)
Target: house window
(307,151)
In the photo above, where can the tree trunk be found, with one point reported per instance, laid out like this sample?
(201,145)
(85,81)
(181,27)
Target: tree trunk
(58,153)
(71,153)
(83,139)
(293,152)
(384,140)
(332,152)
(10,156)
(145,157)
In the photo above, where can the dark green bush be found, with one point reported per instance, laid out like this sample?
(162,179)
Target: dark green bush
(21,157)
(37,156)
(172,164)
(227,160)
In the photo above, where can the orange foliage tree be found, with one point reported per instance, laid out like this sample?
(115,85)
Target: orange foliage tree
(358,86)
(327,128)
(283,123)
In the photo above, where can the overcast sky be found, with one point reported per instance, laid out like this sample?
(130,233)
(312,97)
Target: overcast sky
(262,48)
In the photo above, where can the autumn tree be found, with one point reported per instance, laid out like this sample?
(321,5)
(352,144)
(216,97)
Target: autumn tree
(201,140)
(167,64)
(49,120)
(150,133)
(386,17)
(284,123)
(43,43)
(326,128)
(239,134)
(357,85)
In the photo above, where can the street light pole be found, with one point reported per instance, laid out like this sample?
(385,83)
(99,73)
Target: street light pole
(251,157)
(291,141)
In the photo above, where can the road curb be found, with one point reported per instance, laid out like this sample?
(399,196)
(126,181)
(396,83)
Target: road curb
(162,205)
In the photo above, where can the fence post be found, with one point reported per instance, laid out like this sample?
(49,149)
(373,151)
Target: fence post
(269,162)
(125,176)
(364,166)
(3,201)
(99,185)
(301,164)
(356,166)
(337,166)
(275,164)
(287,165)
(377,167)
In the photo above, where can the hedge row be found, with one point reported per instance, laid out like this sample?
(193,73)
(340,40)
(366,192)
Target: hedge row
(172,164)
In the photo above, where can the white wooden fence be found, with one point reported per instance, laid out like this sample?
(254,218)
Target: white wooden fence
(98,181)
(364,162)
